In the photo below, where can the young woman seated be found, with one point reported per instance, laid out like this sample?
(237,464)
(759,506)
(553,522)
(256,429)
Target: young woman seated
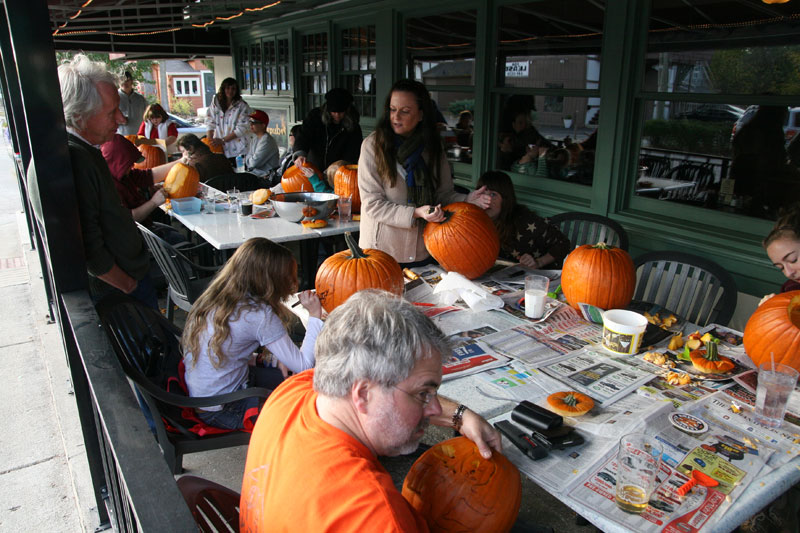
(783,248)
(241,310)
(524,236)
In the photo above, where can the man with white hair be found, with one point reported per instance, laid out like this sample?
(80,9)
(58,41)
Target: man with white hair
(312,461)
(116,255)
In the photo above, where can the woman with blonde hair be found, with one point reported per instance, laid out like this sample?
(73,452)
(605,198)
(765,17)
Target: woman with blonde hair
(241,310)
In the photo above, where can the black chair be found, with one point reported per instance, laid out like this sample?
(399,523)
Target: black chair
(244,181)
(656,166)
(695,288)
(186,280)
(215,508)
(587,228)
(701,173)
(148,349)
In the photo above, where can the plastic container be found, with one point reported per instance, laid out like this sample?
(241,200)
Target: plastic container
(186,206)
(623,331)
(239,163)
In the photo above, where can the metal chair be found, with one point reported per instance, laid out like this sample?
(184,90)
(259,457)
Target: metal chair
(696,288)
(587,228)
(656,166)
(215,508)
(184,277)
(148,349)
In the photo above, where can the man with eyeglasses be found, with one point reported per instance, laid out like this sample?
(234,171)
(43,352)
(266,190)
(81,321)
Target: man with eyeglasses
(312,462)
(262,151)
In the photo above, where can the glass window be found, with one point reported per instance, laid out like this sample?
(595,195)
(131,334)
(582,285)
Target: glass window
(257,68)
(270,66)
(314,74)
(721,152)
(549,53)
(244,68)
(283,65)
(186,86)
(358,67)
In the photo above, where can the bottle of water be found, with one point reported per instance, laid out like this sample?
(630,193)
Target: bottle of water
(239,163)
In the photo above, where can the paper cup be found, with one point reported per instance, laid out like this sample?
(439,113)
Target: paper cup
(623,331)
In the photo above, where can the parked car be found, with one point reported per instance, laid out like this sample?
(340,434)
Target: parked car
(714,113)
(184,126)
(790,128)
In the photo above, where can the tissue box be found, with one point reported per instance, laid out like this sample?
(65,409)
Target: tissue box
(186,206)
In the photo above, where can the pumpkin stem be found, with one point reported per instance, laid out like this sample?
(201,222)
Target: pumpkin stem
(357,253)
(711,351)
(602,246)
(570,400)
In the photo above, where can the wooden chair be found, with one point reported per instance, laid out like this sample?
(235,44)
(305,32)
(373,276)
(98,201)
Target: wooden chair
(696,288)
(215,508)
(148,349)
(588,228)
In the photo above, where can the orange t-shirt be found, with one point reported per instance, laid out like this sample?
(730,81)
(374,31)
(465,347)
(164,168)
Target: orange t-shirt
(302,474)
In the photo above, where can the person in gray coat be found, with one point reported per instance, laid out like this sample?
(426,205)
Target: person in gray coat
(132,106)
(263,157)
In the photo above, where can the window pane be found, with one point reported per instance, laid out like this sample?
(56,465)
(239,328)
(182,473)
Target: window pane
(440,48)
(194,87)
(255,62)
(458,134)
(315,64)
(358,77)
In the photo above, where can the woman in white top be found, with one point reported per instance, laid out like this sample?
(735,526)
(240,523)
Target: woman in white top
(228,119)
(241,310)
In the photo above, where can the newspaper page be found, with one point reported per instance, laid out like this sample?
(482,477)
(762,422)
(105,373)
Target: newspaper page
(606,379)
(519,382)
(470,357)
(466,320)
(679,395)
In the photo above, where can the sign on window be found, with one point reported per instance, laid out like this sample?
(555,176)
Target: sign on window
(517,69)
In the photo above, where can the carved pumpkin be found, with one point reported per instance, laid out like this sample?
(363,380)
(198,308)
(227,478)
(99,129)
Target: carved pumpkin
(295,179)
(153,156)
(465,242)
(213,147)
(599,275)
(345,183)
(182,181)
(455,489)
(352,270)
(260,196)
(774,328)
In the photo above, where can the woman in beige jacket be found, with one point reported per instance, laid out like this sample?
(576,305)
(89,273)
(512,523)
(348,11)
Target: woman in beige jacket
(404,178)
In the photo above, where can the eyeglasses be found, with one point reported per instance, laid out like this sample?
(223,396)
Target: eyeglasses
(254,122)
(424,396)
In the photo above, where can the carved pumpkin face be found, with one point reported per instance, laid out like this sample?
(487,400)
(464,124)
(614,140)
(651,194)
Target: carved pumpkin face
(295,179)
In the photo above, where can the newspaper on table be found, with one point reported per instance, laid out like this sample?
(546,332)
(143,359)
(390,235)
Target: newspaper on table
(514,275)
(470,357)
(518,381)
(421,289)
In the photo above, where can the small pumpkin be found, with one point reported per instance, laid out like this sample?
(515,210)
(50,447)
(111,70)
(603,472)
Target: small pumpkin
(213,147)
(345,183)
(570,403)
(465,242)
(455,489)
(315,223)
(773,330)
(599,275)
(182,181)
(153,157)
(295,179)
(709,361)
(354,269)
(260,196)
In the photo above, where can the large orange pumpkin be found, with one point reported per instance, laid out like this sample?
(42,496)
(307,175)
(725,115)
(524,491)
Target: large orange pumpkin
(352,270)
(457,490)
(599,275)
(153,156)
(213,147)
(182,181)
(132,138)
(295,180)
(774,329)
(345,183)
(465,242)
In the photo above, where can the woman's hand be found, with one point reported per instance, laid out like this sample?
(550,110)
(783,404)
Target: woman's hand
(283,369)
(765,298)
(310,301)
(529,261)
(480,198)
(300,161)
(479,431)
(531,153)
(158,197)
(430,213)
(216,141)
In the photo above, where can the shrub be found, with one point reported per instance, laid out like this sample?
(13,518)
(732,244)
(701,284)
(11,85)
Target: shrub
(690,136)
(457,106)
(182,107)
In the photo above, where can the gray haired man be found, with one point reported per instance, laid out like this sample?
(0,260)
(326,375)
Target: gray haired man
(312,461)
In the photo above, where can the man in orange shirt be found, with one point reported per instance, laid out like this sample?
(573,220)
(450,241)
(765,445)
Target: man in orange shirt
(312,462)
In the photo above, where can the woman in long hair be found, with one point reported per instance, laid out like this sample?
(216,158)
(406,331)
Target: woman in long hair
(228,120)
(782,245)
(241,310)
(524,236)
(403,176)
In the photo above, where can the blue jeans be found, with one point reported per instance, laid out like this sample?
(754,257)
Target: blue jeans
(231,416)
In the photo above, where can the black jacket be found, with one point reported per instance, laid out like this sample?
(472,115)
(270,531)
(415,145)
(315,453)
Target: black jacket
(324,144)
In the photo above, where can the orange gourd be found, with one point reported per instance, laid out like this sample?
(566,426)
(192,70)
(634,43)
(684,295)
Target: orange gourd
(709,361)
(570,403)
(153,156)
(213,147)
(456,490)
(465,242)
(182,181)
(599,275)
(345,183)
(774,328)
(352,270)
(295,180)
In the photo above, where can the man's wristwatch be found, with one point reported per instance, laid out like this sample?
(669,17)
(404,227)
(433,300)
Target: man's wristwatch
(458,417)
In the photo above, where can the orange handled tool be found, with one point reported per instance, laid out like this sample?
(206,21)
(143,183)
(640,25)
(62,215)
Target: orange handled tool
(698,478)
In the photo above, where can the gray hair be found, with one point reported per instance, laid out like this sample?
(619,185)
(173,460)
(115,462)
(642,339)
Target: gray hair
(79,78)
(377,336)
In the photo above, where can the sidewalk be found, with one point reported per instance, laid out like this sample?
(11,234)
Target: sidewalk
(44,476)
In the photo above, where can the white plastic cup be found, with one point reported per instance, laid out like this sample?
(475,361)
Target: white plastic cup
(345,204)
(623,331)
(535,295)
(775,385)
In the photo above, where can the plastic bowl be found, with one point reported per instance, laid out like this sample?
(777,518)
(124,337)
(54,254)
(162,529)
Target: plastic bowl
(291,205)
(186,206)
(623,331)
